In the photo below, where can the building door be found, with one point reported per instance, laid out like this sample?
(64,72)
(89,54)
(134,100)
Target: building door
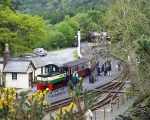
(31,79)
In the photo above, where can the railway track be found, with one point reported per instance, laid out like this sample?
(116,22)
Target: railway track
(100,90)
(116,84)
(112,96)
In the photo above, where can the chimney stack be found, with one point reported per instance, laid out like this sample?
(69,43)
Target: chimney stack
(6,55)
(79,44)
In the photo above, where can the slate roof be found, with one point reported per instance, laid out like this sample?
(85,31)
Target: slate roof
(55,57)
(77,62)
(59,58)
(17,66)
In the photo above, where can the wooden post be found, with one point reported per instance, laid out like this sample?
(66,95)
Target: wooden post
(111,107)
(118,102)
(104,113)
(126,97)
(123,100)
(95,114)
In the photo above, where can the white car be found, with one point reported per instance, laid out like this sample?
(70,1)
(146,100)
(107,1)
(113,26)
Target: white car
(40,52)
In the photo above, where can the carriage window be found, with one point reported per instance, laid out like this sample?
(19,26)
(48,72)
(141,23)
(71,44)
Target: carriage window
(82,66)
(73,68)
(50,69)
(46,70)
(76,68)
(54,69)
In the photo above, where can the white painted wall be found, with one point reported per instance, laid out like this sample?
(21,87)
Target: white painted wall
(21,82)
(1,69)
(22,79)
(37,71)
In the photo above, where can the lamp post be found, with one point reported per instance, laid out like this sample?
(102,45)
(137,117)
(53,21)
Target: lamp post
(79,43)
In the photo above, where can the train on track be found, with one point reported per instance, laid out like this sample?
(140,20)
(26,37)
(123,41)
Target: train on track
(62,75)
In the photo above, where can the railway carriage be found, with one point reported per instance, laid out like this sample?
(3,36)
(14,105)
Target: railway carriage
(58,77)
(80,66)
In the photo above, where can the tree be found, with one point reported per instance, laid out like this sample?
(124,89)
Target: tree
(6,3)
(21,31)
(54,11)
(126,23)
(143,55)
(82,98)
(68,32)
(56,40)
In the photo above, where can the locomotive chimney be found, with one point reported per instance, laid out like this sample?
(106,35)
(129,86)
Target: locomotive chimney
(6,55)
(79,44)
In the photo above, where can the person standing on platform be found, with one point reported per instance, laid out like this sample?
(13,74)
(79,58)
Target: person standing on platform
(105,69)
(98,70)
(102,68)
(118,66)
(109,68)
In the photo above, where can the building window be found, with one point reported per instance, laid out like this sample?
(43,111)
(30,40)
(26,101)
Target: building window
(14,76)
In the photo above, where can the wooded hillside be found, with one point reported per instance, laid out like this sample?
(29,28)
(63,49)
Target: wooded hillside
(52,24)
(30,30)
(55,11)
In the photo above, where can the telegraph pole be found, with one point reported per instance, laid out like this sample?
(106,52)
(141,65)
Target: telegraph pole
(79,44)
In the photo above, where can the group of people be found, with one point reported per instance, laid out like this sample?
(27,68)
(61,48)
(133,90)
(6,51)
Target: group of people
(104,69)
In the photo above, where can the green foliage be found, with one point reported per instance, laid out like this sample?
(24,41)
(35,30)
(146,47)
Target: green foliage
(61,35)
(68,32)
(143,55)
(21,31)
(56,40)
(84,99)
(26,32)
(90,21)
(29,32)
(126,22)
(140,111)
(55,10)
(6,3)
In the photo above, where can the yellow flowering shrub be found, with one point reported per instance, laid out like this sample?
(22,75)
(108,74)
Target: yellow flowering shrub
(12,105)
(39,97)
(7,98)
(63,112)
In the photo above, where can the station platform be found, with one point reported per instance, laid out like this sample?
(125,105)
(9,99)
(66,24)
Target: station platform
(63,93)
